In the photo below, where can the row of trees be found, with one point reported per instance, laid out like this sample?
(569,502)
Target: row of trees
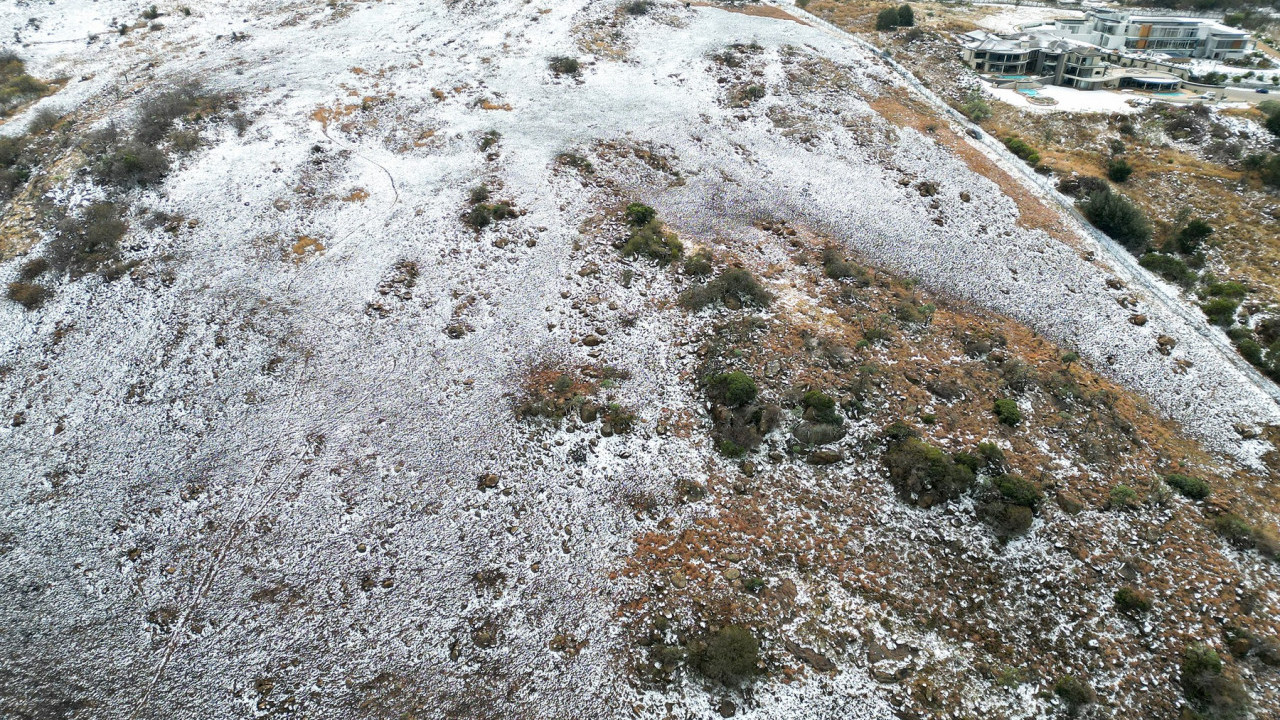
(890,18)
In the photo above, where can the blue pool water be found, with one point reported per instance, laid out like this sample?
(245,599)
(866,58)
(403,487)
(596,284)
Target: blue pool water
(1029,92)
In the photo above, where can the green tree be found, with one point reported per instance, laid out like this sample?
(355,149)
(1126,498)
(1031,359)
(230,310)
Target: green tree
(887,19)
(906,18)
(1273,124)
(1193,235)
(1119,170)
(1115,215)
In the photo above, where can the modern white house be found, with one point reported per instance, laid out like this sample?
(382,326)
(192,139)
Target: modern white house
(1174,36)
(1030,60)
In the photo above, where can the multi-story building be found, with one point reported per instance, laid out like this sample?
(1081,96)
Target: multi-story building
(1028,60)
(1175,36)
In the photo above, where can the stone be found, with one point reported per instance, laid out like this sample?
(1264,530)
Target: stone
(732,574)
(487,481)
(747,467)
(678,580)
(727,708)
(825,457)
(1070,503)
(591,340)
(812,658)
(1138,319)
(1165,344)
(589,412)
(813,433)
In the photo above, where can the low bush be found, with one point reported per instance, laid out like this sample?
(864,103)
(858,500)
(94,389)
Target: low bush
(836,267)
(653,242)
(729,656)
(1192,236)
(820,407)
(887,19)
(1190,487)
(131,163)
(1025,152)
(32,269)
(639,214)
(1075,692)
(923,475)
(482,215)
(1129,599)
(975,107)
(698,264)
(1123,497)
(638,7)
(1168,267)
(576,161)
(85,242)
(1019,491)
(563,65)
(1115,215)
(1221,311)
(1007,412)
(1119,170)
(1208,685)
(28,295)
(16,86)
(734,389)
(1229,289)
(906,17)
(735,288)
(1235,530)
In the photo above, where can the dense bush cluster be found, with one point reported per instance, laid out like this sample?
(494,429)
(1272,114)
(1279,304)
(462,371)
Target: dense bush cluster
(1213,690)
(1117,216)
(170,119)
(648,237)
(1191,487)
(729,656)
(1024,151)
(891,18)
(924,475)
(734,288)
(16,86)
(483,214)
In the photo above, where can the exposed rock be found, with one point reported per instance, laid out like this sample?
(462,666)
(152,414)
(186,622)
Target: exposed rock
(1138,319)
(1070,503)
(812,658)
(1165,344)
(487,481)
(814,433)
(825,457)
(592,340)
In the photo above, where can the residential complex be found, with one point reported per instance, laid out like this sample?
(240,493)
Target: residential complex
(1173,36)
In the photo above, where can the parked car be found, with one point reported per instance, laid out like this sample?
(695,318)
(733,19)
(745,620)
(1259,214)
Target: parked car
(1264,91)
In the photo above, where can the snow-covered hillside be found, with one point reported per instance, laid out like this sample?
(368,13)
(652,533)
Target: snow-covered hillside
(247,465)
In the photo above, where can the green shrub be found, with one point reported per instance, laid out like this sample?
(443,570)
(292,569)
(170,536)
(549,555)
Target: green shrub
(906,18)
(729,656)
(1193,235)
(837,267)
(489,139)
(1168,267)
(1019,147)
(651,241)
(639,7)
(639,214)
(1191,487)
(562,65)
(733,388)
(28,295)
(577,162)
(887,19)
(924,475)
(1123,497)
(478,194)
(131,163)
(698,264)
(1007,412)
(731,449)
(1221,311)
(1129,599)
(1115,215)
(1234,529)
(1076,693)
(32,269)
(753,92)
(822,406)
(735,287)
(1227,289)
(1216,693)
(753,585)
(1019,491)
(1119,170)
(975,107)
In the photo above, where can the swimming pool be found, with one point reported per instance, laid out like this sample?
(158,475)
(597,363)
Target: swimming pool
(1029,92)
